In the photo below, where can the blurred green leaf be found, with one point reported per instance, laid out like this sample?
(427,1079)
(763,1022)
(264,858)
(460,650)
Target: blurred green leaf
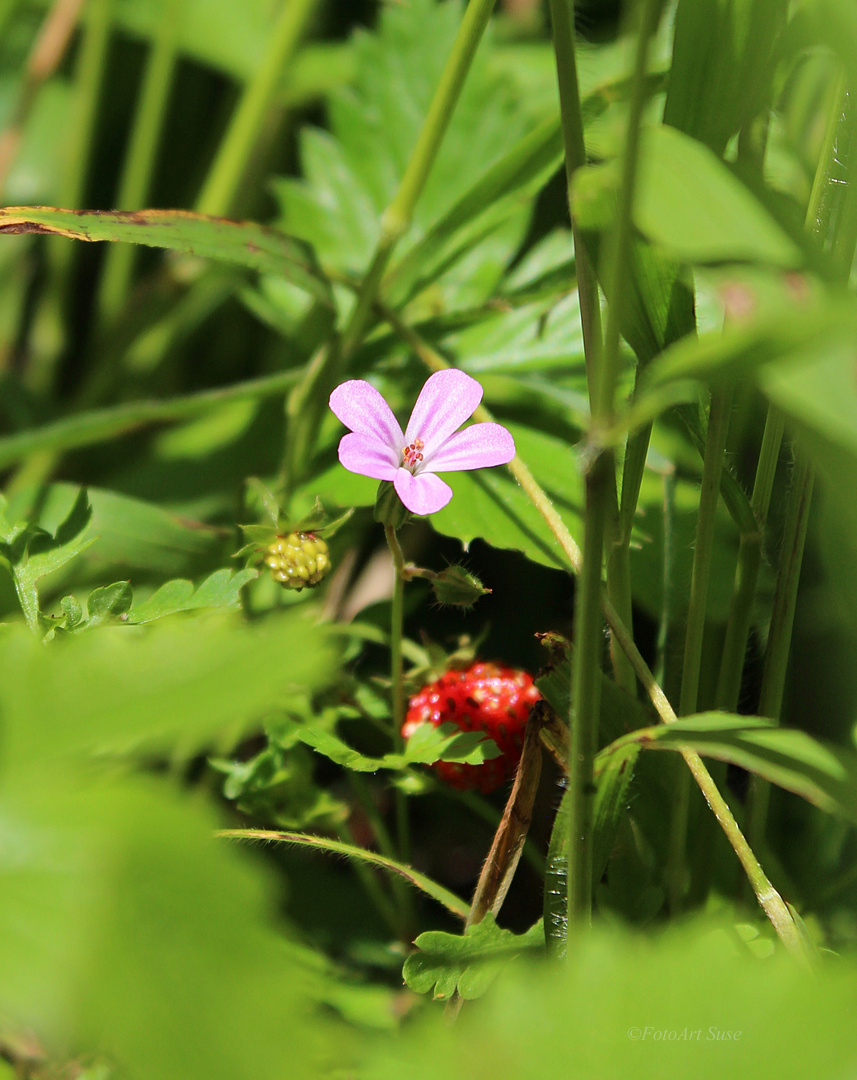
(176,679)
(466,964)
(120,917)
(135,537)
(691,1001)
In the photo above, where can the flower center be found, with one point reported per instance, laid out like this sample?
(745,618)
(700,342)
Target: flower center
(411,455)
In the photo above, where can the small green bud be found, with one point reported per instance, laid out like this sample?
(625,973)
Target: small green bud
(389,508)
(457,587)
(298,560)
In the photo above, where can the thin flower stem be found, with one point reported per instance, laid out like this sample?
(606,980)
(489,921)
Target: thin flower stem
(307,400)
(747,568)
(715,447)
(769,899)
(224,178)
(397,690)
(403,909)
(782,622)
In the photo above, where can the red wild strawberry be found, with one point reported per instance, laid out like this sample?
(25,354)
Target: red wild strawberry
(486,697)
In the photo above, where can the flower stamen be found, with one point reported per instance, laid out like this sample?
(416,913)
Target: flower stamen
(411,455)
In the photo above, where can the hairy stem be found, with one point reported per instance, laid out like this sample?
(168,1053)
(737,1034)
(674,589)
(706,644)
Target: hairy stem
(397,690)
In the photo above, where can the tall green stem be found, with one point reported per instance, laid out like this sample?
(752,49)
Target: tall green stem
(562,23)
(747,569)
(782,623)
(140,159)
(236,149)
(48,331)
(715,448)
(600,507)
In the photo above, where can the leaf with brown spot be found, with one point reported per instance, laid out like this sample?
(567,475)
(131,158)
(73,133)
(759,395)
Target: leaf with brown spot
(241,243)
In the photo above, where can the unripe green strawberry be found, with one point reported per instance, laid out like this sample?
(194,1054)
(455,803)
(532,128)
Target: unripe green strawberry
(486,697)
(298,560)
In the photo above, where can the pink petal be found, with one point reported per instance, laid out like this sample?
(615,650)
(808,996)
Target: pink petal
(367,455)
(445,402)
(423,494)
(363,409)
(476,447)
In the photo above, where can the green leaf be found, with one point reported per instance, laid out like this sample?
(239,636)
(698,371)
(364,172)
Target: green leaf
(135,537)
(42,554)
(241,243)
(824,774)
(720,71)
(468,963)
(431,888)
(352,172)
(222,589)
(109,601)
(178,679)
(689,203)
(489,504)
(101,425)
(425,746)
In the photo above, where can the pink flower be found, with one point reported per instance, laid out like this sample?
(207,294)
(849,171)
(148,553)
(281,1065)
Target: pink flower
(431,444)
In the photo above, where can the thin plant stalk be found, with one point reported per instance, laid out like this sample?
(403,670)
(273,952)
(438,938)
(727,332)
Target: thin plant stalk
(45,56)
(600,505)
(48,333)
(562,25)
(140,159)
(224,177)
(747,568)
(715,449)
(782,623)
(397,689)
